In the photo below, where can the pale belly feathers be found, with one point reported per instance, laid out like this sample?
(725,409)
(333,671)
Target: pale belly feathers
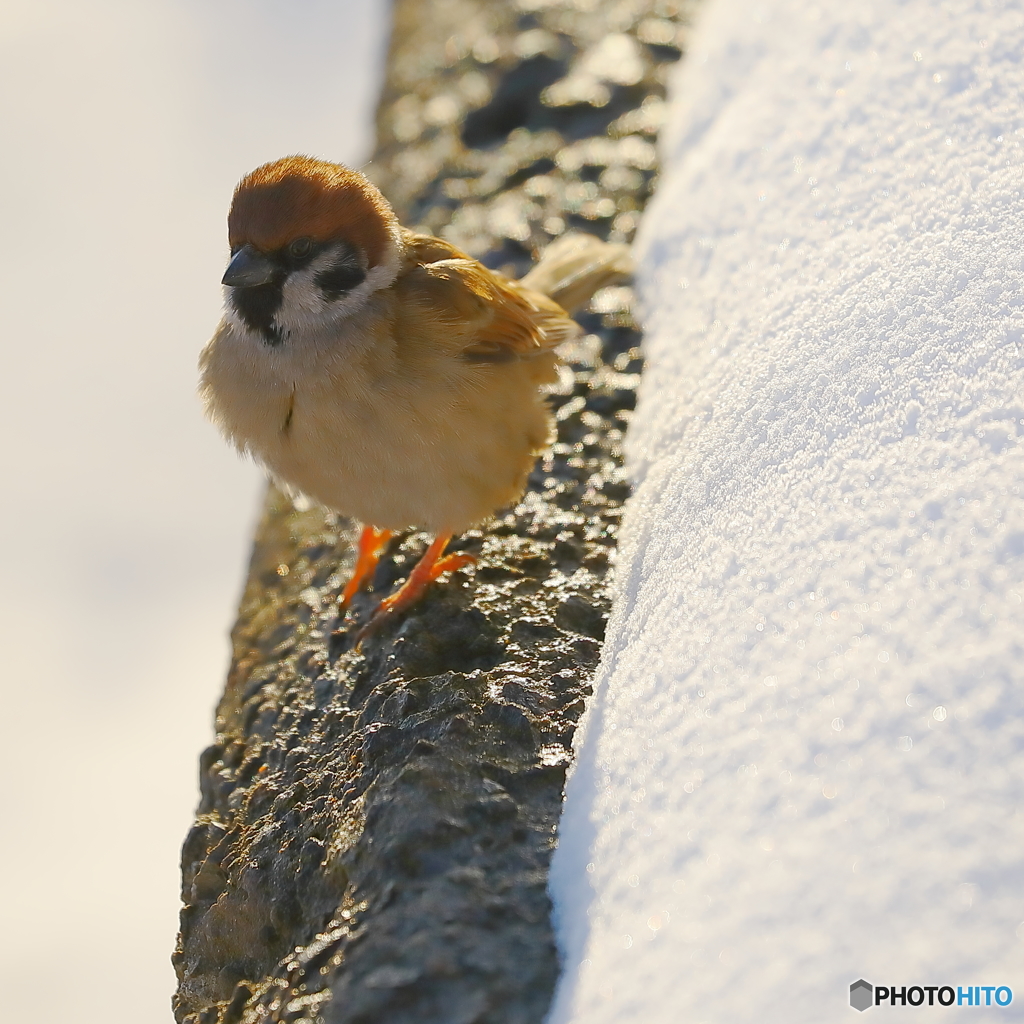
(439,448)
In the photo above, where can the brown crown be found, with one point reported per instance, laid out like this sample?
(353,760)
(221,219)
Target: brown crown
(298,196)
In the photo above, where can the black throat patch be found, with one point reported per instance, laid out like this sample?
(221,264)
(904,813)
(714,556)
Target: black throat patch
(257,306)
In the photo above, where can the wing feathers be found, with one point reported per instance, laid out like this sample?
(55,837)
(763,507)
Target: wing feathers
(493,319)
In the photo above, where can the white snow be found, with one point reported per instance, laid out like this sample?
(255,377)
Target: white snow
(803,764)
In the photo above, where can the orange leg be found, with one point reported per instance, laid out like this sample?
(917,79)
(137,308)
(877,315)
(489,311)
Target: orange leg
(427,569)
(371,544)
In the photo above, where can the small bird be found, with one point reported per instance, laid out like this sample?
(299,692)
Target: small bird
(384,373)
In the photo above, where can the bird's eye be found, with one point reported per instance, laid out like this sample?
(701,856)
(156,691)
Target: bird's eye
(300,247)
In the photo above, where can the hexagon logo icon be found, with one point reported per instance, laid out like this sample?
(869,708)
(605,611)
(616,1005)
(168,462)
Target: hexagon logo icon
(860,995)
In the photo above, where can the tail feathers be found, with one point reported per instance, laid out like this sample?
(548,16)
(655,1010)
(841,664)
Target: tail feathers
(575,266)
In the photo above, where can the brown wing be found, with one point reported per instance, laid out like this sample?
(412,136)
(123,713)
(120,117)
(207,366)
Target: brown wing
(493,319)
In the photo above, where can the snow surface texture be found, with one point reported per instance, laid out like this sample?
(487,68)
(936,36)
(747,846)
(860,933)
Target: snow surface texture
(803,764)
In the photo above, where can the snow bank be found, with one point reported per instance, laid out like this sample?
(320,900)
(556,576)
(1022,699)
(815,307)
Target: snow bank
(804,764)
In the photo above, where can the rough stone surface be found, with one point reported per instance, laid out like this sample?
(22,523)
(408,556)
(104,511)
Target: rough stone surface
(375,828)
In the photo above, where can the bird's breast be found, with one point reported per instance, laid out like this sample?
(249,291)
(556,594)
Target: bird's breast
(396,442)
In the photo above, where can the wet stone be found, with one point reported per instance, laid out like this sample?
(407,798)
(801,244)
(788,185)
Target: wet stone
(375,828)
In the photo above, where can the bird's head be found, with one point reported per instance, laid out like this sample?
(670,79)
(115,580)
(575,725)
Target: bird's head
(310,242)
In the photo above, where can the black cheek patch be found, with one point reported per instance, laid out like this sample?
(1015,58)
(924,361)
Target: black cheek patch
(337,281)
(257,306)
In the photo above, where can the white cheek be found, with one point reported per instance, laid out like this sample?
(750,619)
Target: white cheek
(305,307)
(303,303)
(382,276)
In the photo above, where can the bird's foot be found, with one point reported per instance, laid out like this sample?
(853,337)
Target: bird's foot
(427,569)
(371,546)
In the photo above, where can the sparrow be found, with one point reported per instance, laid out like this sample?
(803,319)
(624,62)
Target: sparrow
(381,372)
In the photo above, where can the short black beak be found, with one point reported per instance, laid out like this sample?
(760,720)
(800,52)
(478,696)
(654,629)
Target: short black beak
(248,268)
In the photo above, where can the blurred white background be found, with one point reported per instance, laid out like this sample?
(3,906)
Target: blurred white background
(126,521)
